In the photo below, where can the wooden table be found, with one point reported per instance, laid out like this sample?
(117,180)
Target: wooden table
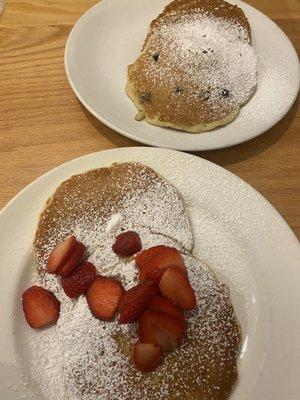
(43,125)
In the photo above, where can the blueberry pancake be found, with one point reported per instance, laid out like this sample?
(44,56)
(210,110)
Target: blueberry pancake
(197,66)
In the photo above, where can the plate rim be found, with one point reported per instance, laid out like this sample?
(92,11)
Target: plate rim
(172,146)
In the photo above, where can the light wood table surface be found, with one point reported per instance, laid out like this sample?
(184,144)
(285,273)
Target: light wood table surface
(42,124)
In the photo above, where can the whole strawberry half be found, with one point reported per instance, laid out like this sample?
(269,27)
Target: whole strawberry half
(40,306)
(79,280)
(134,301)
(103,297)
(154,261)
(127,244)
(160,329)
(176,287)
(65,256)
(146,356)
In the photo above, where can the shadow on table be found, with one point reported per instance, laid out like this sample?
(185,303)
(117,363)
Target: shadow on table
(249,149)
(112,136)
(223,157)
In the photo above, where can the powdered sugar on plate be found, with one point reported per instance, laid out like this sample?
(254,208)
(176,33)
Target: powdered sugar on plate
(274,87)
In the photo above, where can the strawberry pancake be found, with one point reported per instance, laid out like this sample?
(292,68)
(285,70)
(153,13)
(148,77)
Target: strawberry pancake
(127,311)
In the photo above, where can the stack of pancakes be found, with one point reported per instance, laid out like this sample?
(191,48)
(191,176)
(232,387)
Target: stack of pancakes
(197,66)
(96,206)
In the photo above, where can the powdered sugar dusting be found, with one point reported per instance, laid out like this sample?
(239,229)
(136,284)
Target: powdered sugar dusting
(114,223)
(47,350)
(274,87)
(209,53)
(132,191)
(195,68)
(94,356)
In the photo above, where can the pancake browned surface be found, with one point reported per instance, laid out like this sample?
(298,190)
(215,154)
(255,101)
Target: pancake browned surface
(197,66)
(91,358)
(84,203)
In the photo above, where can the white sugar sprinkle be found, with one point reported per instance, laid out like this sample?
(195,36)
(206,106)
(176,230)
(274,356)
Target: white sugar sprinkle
(209,52)
(196,68)
(83,358)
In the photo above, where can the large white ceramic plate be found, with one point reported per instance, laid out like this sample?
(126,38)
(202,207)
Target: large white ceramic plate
(110,35)
(237,232)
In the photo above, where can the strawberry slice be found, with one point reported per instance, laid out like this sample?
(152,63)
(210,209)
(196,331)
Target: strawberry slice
(176,287)
(103,297)
(161,304)
(127,244)
(73,261)
(60,254)
(154,261)
(79,280)
(146,356)
(134,301)
(161,329)
(40,306)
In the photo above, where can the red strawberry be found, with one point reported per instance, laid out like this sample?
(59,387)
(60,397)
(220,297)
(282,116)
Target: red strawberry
(154,261)
(60,254)
(134,301)
(127,244)
(40,307)
(73,261)
(147,356)
(161,329)
(176,287)
(79,280)
(161,304)
(103,297)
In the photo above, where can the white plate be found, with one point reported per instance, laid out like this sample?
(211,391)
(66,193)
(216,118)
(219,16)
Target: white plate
(110,35)
(237,232)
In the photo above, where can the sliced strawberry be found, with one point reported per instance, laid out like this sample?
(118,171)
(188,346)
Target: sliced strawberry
(103,297)
(154,261)
(60,254)
(127,244)
(134,301)
(176,287)
(161,304)
(73,261)
(79,280)
(40,306)
(147,356)
(161,329)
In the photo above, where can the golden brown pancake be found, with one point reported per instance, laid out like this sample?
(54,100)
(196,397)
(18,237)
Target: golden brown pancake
(197,66)
(84,203)
(215,8)
(96,355)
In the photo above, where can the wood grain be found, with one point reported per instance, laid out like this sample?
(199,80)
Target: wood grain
(43,125)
